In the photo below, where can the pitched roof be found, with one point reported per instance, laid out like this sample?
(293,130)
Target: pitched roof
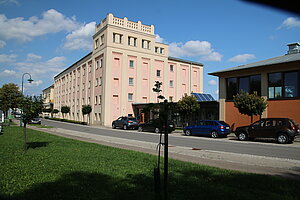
(272,61)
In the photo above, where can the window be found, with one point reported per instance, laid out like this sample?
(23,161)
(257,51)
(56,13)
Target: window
(102,39)
(132,41)
(171,68)
(130,81)
(96,100)
(291,84)
(171,83)
(96,43)
(100,81)
(161,51)
(156,49)
(283,84)
(97,64)
(170,99)
(96,84)
(275,85)
(131,63)
(232,88)
(100,99)
(250,84)
(90,68)
(101,62)
(158,73)
(117,38)
(130,97)
(145,44)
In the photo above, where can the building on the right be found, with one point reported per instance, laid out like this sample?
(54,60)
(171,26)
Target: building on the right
(275,79)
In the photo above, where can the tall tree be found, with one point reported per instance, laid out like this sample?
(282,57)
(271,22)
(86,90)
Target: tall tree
(86,110)
(10,97)
(249,104)
(157,90)
(187,106)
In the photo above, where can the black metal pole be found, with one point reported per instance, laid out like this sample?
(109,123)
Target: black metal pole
(166,143)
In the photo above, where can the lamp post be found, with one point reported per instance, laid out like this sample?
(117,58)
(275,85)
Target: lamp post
(29,80)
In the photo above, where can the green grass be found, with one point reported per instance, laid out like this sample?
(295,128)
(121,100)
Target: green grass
(58,168)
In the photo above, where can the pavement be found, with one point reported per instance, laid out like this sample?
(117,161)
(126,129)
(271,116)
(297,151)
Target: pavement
(234,161)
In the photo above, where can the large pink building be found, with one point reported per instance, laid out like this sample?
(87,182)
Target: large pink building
(121,71)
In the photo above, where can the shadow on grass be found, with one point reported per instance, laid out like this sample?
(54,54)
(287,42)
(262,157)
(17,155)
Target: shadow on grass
(189,184)
(33,145)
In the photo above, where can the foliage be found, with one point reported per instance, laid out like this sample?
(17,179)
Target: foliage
(187,106)
(86,110)
(157,90)
(55,111)
(10,97)
(249,104)
(32,106)
(61,168)
(65,109)
(67,120)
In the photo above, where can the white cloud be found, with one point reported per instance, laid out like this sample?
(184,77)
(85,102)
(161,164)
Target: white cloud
(35,83)
(81,38)
(212,82)
(290,22)
(7,58)
(8,73)
(242,58)
(193,48)
(2,44)
(160,39)
(9,2)
(40,68)
(216,92)
(32,57)
(24,30)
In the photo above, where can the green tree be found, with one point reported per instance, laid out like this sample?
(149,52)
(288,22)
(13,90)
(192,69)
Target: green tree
(31,107)
(10,97)
(64,110)
(187,106)
(86,110)
(249,104)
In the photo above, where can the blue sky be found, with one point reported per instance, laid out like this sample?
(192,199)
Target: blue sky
(44,37)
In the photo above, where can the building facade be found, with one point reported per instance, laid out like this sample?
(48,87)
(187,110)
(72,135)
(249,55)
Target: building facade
(48,99)
(275,79)
(121,70)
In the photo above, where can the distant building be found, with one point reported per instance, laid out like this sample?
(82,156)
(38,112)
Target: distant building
(48,98)
(275,79)
(121,71)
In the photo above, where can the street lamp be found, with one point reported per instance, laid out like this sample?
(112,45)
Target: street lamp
(30,81)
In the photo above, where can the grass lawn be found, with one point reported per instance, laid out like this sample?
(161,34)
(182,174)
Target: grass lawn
(59,168)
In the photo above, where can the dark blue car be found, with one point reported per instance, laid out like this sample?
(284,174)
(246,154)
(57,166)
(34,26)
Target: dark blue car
(211,128)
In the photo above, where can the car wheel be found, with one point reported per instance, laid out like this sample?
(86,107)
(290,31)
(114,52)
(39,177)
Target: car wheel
(113,126)
(242,136)
(156,130)
(140,129)
(214,134)
(125,127)
(282,138)
(188,133)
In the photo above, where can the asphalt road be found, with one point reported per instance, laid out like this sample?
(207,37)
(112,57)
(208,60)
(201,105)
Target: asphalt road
(221,145)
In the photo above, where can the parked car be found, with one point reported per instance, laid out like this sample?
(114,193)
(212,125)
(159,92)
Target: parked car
(283,130)
(125,123)
(156,126)
(35,120)
(211,128)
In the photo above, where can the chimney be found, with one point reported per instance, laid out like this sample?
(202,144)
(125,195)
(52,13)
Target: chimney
(293,48)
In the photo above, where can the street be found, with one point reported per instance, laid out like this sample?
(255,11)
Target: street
(288,151)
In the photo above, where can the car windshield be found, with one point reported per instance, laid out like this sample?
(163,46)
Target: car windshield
(132,118)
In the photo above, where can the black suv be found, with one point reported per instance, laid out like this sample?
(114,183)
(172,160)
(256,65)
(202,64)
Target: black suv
(125,123)
(283,130)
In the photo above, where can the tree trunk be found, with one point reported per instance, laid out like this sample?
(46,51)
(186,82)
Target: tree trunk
(25,138)
(251,119)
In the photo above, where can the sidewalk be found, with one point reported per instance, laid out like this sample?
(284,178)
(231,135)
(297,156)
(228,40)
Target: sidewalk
(233,161)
